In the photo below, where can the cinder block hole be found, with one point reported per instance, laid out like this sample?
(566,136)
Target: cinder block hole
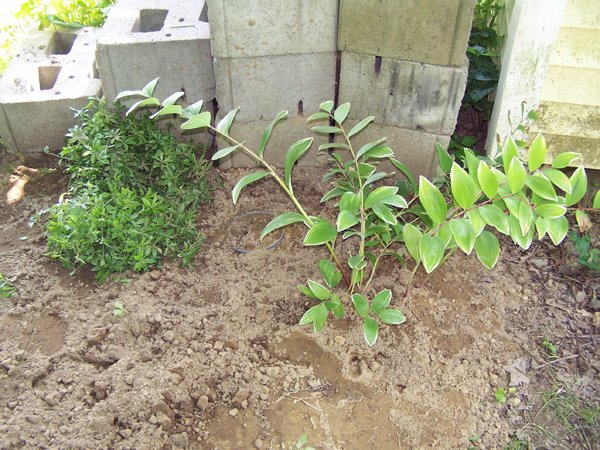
(300,108)
(47,76)
(204,13)
(150,20)
(61,43)
(377,64)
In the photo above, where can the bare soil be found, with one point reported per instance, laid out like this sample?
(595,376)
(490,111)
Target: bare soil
(212,357)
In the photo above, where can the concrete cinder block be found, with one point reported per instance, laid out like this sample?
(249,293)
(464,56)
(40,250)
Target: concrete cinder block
(145,39)
(588,147)
(263,86)
(284,134)
(576,85)
(403,93)
(240,28)
(429,31)
(52,72)
(577,47)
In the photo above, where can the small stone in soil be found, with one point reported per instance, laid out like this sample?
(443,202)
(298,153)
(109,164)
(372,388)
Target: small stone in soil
(233,412)
(202,402)
(258,443)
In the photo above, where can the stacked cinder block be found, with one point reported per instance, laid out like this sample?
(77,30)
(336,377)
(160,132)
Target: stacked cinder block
(271,56)
(145,39)
(403,61)
(52,72)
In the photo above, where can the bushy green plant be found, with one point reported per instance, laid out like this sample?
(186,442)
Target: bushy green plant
(7,290)
(514,196)
(133,195)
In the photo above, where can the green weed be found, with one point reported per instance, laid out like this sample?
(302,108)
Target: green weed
(7,290)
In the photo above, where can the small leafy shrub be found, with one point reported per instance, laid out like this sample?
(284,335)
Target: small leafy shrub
(431,220)
(587,256)
(133,195)
(7,290)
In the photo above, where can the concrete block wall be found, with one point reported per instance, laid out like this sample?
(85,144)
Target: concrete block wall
(272,56)
(403,61)
(52,72)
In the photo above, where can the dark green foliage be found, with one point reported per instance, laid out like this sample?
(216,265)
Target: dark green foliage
(133,195)
(586,255)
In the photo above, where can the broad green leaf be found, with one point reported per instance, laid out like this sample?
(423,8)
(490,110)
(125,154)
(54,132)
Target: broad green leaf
(171,99)
(225,151)
(431,250)
(333,145)
(346,220)
(341,112)
(525,218)
(385,214)
(309,316)
(487,249)
(143,103)
(464,235)
(318,116)
(562,160)
(380,194)
(596,202)
(379,152)
(350,201)
(320,233)
(225,123)
(559,179)
(327,106)
(320,317)
(191,110)
(510,152)
(476,220)
(464,189)
(557,229)
(537,153)
(326,129)
(330,273)
(541,186)
(381,301)
(550,210)
(412,238)
(338,311)
(397,201)
(370,330)
(149,88)
(406,172)
(280,221)
(516,175)
(445,234)
(125,94)
(432,200)
(578,187)
(444,158)
(472,165)
(264,140)
(365,148)
(516,233)
(361,305)
(487,180)
(366,170)
(583,221)
(201,120)
(495,217)
(357,262)
(360,126)
(320,291)
(540,226)
(335,192)
(245,181)
(293,154)
(306,291)
(165,110)
(392,317)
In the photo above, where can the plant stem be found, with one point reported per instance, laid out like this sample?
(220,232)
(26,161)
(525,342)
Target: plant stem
(410,280)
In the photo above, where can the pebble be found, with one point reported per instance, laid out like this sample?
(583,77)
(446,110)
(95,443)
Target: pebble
(126,433)
(340,340)
(52,399)
(180,440)
(233,412)
(169,336)
(218,346)
(259,443)
(202,402)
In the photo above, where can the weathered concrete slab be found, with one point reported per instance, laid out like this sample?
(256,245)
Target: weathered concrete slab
(52,72)
(430,31)
(559,85)
(240,28)
(263,86)
(588,147)
(145,39)
(403,93)
(582,14)
(577,47)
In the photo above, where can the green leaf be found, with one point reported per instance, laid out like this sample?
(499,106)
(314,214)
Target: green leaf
(517,235)
(319,291)
(319,234)
(350,201)
(333,145)
(169,109)
(578,187)
(341,112)
(516,175)
(495,217)
(318,116)
(293,154)
(126,94)
(525,218)
(431,250)
(432,200)
(540,226)
(267,133)
(406,172)
(487,249)
(192,110)
(365,148)
(171,99)
(397,201)
(444,158)
(357,262)
(385,214)
(464,189)
(472,165)
(306,291)
(310,315)
(550,210)
(596,202)
(143,103)
(326,129)
(280,221)
(361,305)
(245,181)
(537,153)
(564,159)
(392,317)
(360,126)
(379,152)
(541,186)
(510,152)
(201,120)
(225,151)
(346,220)
(370,330)
(327,106)
(379,195)
(320,317)
(330,273)
(149,88)
(559,179)
(381,301)
(335,192)
(557,229)
(487,180)
(365,170)
(225,123)
(412,238)
(476,220)
(464,235)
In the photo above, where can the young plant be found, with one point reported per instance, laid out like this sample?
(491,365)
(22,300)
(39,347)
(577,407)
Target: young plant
(7,290)
(513,196)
